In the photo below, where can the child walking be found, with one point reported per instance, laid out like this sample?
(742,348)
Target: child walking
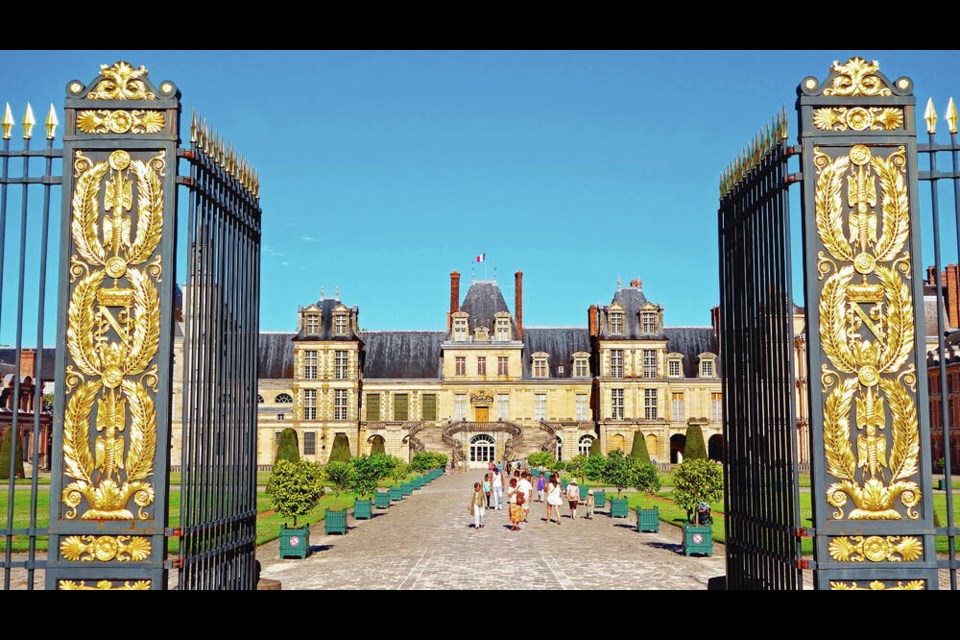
(478,504)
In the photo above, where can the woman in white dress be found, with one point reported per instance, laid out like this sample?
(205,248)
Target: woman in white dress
(553,496)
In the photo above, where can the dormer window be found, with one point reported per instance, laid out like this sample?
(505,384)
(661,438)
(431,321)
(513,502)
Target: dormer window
(460,327)
(707,366)
(503,329)
(616,322)
(648,322)
(541,368)
(581,366)
(674,367)
(340,324)
(312,324)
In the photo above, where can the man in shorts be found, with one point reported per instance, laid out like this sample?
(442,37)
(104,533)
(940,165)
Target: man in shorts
(527,488)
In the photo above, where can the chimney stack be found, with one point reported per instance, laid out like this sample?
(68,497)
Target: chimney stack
(454,297)
(518,302)
(592,321)
(951,287)
(28,361)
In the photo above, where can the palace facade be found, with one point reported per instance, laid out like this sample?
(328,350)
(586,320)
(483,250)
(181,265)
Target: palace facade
(487,387)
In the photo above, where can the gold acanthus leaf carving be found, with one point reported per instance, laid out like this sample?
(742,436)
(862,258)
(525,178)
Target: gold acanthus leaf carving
(136,121)
(103,585)
(856,77)
(105,548)
(895,204)
(857,118)
(829,206)
(876,585)
(875,548)
(121,82)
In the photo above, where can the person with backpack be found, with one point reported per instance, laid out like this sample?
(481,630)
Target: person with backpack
(573,497)
(526,488)
(515,500)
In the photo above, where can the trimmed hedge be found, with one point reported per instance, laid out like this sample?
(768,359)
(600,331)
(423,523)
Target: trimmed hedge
(639,449)
(340,451)
(695,448)
(289,448)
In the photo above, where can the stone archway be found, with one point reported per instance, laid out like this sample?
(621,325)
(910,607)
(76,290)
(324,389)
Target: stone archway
(617,442)
(677,442)
(482,450)
(715,447)
(653,446)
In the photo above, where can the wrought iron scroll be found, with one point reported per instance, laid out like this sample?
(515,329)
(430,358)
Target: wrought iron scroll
(870,477)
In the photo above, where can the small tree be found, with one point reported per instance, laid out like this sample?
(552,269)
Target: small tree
(289,448)
(295,487)
(377,448)
(696,481)
(620,471)
(577,467)
(367,472)
(340,451)
(595,448)
(694,449)
(425,461)
(340,475)
(595,467)
(399,472)
(646,479)
(557,466)
(541,459)
(9,441)
(639,450)
(439,460)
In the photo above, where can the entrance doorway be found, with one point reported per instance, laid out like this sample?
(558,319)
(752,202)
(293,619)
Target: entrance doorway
(482,450)
(482,414)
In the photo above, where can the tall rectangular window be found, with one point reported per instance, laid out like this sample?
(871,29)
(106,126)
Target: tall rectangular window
(429,402)
(277,439)
(460,329)
(616,363)
(502,366)
(650,404)
(616,404)
(935,413)
(313,324)
(310,365)
(481,365)
(673,369)
(309,404)
(716,407)
(649,363)
(373,407)
(309,443)
(706,369)
(616,323)
(582,407)
(540,406)
(340,325)
(503,407)
(401,406)
(341,359)
(676,408)
(503,329)
(461,365)
(648,322)
(580,369)
(460,406)
(340,404)
(955,382)
(540,368)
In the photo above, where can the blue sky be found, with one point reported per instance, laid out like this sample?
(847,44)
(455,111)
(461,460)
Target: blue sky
(381,172)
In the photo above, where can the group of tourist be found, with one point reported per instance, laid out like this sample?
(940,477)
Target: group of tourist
(519,489)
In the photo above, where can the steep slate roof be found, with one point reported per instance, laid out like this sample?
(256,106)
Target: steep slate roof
(326,306)
(930,315)
(402,354)
(691,342)
(631,299)
(8,356)
(560,342)
(276,355)
(482,301)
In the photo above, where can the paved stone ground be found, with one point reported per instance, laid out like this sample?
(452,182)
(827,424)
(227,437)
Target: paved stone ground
(427,542)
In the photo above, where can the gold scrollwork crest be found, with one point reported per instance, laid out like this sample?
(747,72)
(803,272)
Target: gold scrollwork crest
(121,82)
(103,585)
(876,585)
(856,77)
(113,334)
(857,118)
(875,548)
(137,121)
(867,334)
(105,548)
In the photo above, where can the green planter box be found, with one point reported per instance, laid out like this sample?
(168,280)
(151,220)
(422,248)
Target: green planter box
(942,484)
(563,485)
(583,492)
(619,508)
(406,488)
(335,522)
(382,500)
(599,499)
(697,539)
(396,494)
(648,520)
(294,543)
(362,509)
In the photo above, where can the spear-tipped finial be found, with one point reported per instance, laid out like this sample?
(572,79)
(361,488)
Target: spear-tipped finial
(952,115)
(193,126)
(28,122)
(51,123)
(7,122)
(930,115)
(784,132)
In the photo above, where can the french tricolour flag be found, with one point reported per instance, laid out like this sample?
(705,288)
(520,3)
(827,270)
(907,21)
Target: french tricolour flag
(481,257)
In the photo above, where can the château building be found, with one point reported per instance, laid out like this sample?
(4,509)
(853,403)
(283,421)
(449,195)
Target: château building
(486,387)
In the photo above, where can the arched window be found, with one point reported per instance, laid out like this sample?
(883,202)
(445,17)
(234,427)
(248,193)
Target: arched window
(583,447)
(283,398)
(617,442)
(482,448)
(259,399)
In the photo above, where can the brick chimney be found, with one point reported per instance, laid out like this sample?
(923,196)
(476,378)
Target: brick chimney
(454,296)
(715,320)
(951,291)
(931,276)
(518,302)
(592,321)
(28,361)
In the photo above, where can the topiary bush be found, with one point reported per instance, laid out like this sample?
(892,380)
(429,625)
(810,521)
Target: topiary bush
(377,449)
(340,476)
(439,460)
(646,479)
(367,473)
(696,481)
(425,461)
(340,451)
(7,442)
(595,448)
(695,448)
(639,450)
(295,487)
(577,467)
(289,448)
(399,472)
(541,459)
(620,471)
